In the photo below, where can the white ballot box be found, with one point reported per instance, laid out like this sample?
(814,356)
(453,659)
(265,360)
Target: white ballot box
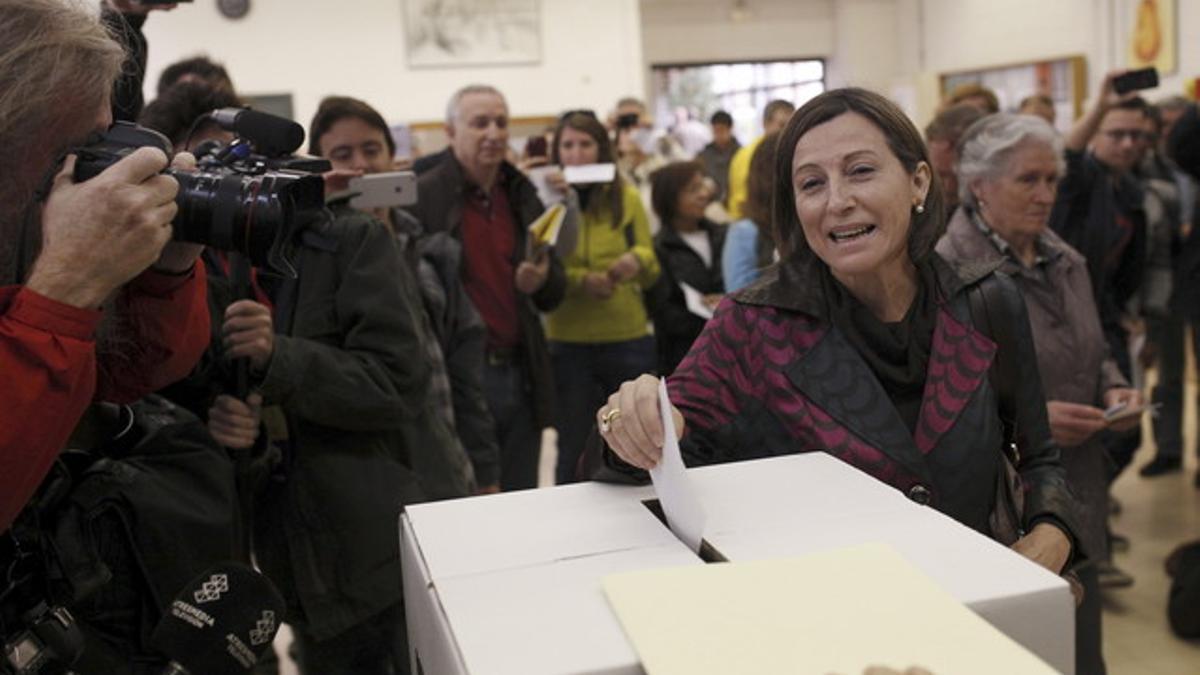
(512,583)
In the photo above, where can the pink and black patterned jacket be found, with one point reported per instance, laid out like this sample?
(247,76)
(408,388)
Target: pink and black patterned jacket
(771,376)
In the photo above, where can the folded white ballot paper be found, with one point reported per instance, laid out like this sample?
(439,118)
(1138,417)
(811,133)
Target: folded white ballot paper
(590,173)
(695,302)
(684,514)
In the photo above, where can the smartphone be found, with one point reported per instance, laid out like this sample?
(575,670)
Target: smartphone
(536,146)
(1144,78)
(377,190)
(628,120)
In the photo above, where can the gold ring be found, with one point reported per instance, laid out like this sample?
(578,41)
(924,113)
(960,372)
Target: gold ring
(608,418)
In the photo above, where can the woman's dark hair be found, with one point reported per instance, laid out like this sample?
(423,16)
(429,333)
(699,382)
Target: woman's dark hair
(333,109)
(666,184)
(179,107)
(587,123)
(902,138)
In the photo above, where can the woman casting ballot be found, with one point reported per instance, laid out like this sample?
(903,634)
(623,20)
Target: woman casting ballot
(860,342)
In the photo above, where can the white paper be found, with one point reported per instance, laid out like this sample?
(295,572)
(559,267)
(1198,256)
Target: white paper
(695,302)
(590,173)
(547,194)
(684,514)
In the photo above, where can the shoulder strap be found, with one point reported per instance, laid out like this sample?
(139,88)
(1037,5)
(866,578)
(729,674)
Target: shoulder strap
(985,301)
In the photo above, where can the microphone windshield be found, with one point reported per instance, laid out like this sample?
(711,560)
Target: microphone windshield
(221,622)
(271,135)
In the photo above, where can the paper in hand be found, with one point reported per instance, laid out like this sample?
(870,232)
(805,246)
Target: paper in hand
(685,515)
(590,173)
(543,232)
(695,302)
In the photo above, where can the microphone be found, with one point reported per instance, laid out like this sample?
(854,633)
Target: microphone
(271,135)
(220,623)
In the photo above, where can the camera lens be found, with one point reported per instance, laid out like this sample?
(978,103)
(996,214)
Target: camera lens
(251,214)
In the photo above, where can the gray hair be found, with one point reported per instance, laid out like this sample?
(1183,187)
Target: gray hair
(452,106)
(987,145)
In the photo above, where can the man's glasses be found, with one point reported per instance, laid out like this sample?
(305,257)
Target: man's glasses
(1118,135)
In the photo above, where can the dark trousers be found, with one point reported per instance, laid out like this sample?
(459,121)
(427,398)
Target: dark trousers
(505,385)
(377,646)
(1170,336)
(1089,655)
(586,374)
(1120,447)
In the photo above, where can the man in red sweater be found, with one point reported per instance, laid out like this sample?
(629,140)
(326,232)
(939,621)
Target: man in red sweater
(69,251)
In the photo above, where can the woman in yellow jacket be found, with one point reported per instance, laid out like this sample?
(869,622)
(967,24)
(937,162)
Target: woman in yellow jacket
(599,335)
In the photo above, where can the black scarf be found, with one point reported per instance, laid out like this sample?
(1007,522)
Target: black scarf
(897,353)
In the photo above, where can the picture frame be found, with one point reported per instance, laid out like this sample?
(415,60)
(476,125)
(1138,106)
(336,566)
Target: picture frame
(450,33)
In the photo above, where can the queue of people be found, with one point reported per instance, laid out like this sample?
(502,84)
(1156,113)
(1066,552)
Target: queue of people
(870,300)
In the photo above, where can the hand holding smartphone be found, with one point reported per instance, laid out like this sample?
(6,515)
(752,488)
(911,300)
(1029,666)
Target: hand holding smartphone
(1134,80)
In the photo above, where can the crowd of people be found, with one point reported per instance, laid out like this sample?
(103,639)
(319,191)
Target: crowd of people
(841,283)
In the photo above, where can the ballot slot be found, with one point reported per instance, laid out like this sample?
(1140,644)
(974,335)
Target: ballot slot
(708,553)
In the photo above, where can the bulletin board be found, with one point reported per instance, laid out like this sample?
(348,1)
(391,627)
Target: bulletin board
(1063,79)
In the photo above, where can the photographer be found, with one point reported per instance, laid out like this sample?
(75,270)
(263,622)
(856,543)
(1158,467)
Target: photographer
(69,250)
(332,367)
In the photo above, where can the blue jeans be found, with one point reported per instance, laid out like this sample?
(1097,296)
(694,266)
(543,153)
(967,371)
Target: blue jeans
(517,432)
(586,374)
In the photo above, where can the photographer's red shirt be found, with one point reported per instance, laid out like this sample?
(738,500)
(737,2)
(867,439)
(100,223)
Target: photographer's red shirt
(49,372)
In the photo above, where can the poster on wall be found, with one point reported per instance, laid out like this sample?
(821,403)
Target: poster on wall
(1062,80)
(446,33)
(1149,33)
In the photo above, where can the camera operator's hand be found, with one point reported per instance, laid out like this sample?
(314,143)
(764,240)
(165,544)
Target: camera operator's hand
(179,256)
(531,276)
(135,7)
(249,333)
(99,234)
(234,423)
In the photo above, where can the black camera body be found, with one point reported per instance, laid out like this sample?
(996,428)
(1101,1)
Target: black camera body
(236,199)
(50,638)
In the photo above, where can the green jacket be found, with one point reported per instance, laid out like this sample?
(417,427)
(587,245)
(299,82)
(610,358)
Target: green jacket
(364,440)
(582,318)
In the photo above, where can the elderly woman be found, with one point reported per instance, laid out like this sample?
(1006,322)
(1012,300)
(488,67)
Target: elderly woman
(860,343)
(1008,171)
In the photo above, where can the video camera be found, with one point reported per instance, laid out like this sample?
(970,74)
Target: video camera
(246,196)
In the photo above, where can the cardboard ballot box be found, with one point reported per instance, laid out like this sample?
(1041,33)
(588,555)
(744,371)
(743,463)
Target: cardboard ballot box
(511,583)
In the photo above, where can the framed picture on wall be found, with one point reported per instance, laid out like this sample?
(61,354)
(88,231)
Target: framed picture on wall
(447,33)
(1149,34)
(1064,80)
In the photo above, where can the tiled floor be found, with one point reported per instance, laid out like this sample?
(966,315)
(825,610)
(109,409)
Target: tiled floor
(1158,514)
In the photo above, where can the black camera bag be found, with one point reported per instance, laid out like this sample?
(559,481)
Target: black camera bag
(125,526)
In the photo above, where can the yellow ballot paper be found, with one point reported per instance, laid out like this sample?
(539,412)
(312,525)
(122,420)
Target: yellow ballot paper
(838,611)
(543,232)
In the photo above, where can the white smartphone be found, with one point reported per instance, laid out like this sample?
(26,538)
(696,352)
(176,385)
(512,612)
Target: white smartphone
(378,190)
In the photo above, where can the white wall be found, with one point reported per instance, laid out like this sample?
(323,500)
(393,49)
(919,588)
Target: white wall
(591,55)
(966,34)
(690,31)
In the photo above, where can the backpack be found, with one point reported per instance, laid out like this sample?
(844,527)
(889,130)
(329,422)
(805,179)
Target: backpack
(121,528)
